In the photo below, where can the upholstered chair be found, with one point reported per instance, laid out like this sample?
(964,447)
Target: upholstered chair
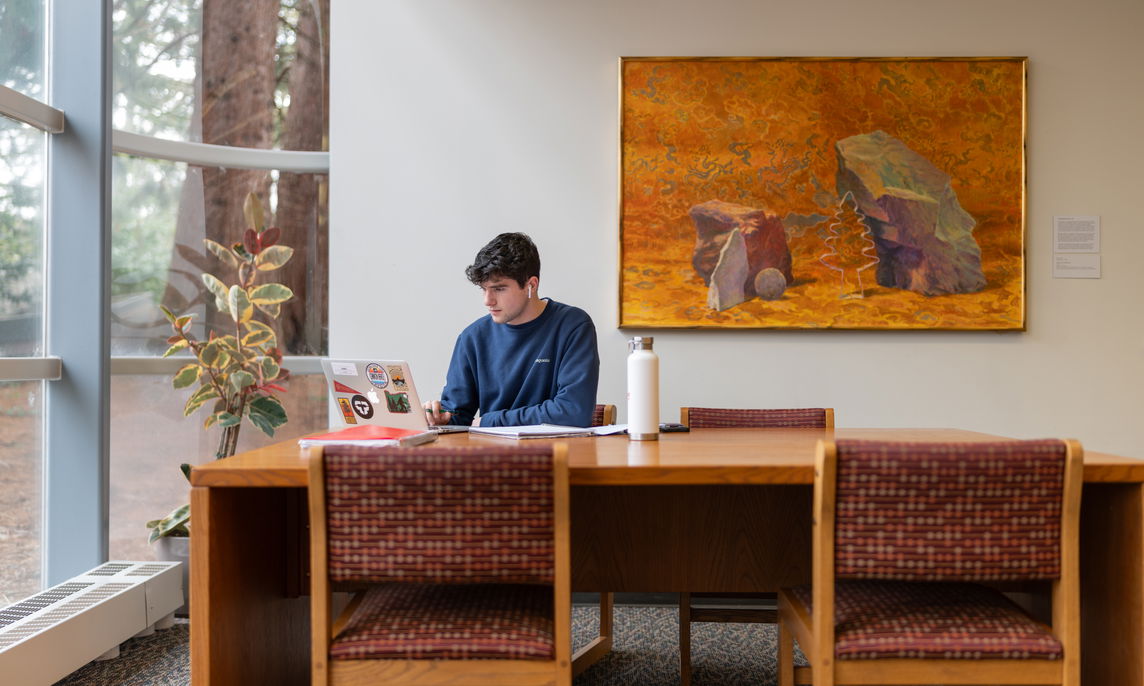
(461,562)
(736,607)
(910,542)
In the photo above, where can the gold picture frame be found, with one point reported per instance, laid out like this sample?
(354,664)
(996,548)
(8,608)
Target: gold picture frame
(822,193)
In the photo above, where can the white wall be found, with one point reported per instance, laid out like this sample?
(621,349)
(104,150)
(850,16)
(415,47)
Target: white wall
(453,120)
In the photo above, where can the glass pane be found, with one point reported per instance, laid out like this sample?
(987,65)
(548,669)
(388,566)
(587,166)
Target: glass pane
(21,460)
(22,155)
(249,74)
(150,438)
(23,26)
(162,211)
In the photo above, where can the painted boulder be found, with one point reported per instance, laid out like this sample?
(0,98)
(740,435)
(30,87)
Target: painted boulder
(923,236)
(764,240)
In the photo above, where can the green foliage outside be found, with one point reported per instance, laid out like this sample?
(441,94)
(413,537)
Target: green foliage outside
(155,49)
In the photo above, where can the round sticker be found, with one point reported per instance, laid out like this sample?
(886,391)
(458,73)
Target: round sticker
(376,375)
(362,406)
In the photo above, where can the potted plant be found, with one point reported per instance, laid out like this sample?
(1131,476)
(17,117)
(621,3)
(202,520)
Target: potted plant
(235,371)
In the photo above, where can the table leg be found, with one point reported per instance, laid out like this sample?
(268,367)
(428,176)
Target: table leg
(1112,584)
(599,646)
(245,627)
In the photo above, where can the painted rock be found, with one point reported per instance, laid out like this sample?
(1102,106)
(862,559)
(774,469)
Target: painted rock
(729,277)
(763,238)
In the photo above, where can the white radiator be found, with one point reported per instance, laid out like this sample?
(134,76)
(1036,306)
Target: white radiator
(55,632)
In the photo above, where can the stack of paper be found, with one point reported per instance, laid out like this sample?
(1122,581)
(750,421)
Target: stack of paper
(546,430)
(370,435)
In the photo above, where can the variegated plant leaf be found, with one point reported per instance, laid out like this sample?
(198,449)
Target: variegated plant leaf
(273,257)
(252,210)
(186,375)
(270,293)
(222,252)
(241,309)
(179,345)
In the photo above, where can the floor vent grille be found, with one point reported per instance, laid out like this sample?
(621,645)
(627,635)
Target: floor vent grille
(37,602)
(51,634)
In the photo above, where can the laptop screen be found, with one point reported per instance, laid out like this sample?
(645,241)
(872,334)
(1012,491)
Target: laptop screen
(377,392)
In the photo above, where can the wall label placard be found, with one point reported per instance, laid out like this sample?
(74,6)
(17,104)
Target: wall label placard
(1076,247)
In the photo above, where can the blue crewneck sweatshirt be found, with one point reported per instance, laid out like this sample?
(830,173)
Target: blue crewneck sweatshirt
(542,371)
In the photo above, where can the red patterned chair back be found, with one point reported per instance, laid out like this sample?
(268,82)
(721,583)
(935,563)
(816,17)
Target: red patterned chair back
(440,515)
(603,415)
(720,418)
(986,511)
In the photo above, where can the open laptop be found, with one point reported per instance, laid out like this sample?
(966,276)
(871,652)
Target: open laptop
(377,392)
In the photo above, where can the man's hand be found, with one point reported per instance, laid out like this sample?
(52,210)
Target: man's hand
(435,414)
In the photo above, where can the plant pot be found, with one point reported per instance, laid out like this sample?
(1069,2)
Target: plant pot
(177,549)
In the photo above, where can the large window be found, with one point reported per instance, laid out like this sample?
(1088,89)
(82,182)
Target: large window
(212,100)
(23,156)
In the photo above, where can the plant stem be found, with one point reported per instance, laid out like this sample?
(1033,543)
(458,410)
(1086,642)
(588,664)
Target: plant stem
(228,444)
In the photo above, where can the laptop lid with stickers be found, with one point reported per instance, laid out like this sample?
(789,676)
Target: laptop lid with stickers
(379,392)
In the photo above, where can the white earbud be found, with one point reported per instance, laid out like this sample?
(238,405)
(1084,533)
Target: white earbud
(530,292)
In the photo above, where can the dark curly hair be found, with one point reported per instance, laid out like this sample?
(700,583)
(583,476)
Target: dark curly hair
(509,255)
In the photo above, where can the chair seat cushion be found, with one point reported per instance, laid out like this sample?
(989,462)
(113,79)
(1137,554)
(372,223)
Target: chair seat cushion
(888,619)
(464,621)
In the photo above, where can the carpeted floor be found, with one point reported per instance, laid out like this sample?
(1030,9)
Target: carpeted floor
(645,654)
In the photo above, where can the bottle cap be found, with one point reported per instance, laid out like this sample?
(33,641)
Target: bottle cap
(641,343)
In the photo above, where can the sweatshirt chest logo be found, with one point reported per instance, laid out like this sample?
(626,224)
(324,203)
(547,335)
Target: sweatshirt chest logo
(542,360)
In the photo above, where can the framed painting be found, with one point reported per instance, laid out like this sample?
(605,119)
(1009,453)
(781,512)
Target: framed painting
(822,193)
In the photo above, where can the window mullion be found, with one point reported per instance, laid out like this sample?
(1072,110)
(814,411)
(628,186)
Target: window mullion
(78,266)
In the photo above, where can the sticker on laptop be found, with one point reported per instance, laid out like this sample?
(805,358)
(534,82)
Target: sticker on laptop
(343,368)
(347,412)
(398,403)
(340,387)
(362,406)
(397,377)
(376,375)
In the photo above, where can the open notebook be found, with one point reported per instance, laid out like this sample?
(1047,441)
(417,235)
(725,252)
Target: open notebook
(547,431)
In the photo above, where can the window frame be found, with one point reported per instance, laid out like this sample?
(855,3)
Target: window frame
(16,105)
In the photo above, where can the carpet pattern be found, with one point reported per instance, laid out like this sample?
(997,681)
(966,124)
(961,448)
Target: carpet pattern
(645,653)
(161,659)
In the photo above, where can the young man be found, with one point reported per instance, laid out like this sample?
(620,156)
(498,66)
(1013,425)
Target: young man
(530,361)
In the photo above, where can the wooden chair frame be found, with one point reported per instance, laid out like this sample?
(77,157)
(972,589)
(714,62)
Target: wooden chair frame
(395,672)
(815,630)
(692,611)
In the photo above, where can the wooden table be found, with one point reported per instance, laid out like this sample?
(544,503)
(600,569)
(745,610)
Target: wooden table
(711,510)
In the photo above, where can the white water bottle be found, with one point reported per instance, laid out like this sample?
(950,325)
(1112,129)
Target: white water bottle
(643,390)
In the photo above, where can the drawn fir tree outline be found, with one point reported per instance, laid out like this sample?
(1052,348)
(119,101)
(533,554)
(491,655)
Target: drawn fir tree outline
(849,223)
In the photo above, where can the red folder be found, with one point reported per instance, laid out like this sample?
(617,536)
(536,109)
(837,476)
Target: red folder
(371,435)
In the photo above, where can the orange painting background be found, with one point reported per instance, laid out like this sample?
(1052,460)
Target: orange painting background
(761,133)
